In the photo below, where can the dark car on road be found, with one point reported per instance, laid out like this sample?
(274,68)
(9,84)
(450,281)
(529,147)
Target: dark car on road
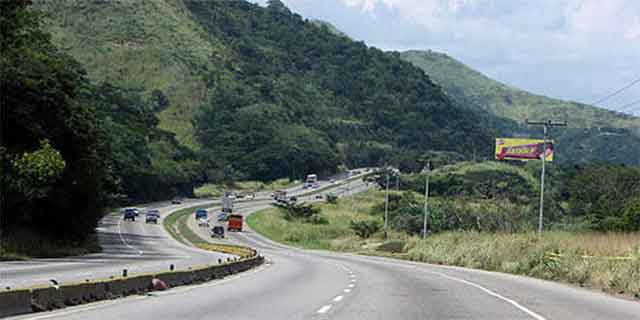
(217,232)
(129,214)
(152,216)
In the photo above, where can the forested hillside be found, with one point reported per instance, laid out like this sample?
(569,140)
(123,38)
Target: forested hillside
(260,92)
(594,134)
(304,99)
(71,147)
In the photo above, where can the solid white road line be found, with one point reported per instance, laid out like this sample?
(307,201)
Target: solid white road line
(338,298)
(347,290)
(494,294)
(324,309)
(418,267)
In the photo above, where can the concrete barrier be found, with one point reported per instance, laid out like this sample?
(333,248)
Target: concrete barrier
(137,285)
(15,302)
(43,299)
(49,298)
(177,278)
(82,293)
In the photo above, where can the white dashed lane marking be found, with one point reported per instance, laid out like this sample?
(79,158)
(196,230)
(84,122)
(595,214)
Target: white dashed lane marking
(324,309)
(338,298)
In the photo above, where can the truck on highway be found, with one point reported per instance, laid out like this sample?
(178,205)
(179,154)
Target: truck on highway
(235,222)
(227,202)
(311,182)
(280,196)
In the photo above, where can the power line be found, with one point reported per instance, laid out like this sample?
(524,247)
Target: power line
(629,107)
(633,83)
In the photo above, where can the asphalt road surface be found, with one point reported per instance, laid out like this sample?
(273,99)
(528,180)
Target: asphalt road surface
(298,284)
(136,246)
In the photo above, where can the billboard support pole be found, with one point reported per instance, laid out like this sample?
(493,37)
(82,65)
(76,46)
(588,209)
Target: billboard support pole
(386,207)
(546,125)
(427,171)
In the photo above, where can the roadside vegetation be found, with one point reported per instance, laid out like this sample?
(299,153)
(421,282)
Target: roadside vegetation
(215,190)
(484,215)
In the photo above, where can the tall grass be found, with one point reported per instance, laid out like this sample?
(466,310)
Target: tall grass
(606,261)
(271,223)
(610,262)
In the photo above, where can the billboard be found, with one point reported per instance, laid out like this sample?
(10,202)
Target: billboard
(523,149)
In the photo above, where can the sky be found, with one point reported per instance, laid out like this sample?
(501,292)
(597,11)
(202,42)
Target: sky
(578,50)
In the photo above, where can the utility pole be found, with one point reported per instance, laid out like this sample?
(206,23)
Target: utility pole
(386,207)
(546,125)
(427,171)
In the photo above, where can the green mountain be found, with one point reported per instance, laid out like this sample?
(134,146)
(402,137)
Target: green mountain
(260,92)
(594,134)
(142,45)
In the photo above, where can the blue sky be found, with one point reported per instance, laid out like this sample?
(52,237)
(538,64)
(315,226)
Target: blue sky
(578,50)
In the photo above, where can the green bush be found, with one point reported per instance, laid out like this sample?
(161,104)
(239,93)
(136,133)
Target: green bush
(332,198)
(393,246)
(631,216)
(293,211)
(318,219)
(365,228)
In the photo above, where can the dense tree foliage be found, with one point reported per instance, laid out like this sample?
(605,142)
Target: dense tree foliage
(69,148)
(50,141)
(303,99)
(146,163)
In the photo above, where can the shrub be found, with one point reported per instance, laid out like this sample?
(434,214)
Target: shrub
(631,216)
(318,219)
(294,210)
(332,198)
(393,246)
(365,228)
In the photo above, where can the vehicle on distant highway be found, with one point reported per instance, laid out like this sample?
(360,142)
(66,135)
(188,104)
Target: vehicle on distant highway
(217,232)
(319,196)
(293,199)
(280,196)
(200,214)
(152,216)
(311,182)
(235,222)
(227,202)
(129,214)
(203,222)
(223,216)
(230,194)
(135,211)
(176,201)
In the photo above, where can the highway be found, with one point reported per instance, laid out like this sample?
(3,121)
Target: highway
(135,246)
(299,284)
